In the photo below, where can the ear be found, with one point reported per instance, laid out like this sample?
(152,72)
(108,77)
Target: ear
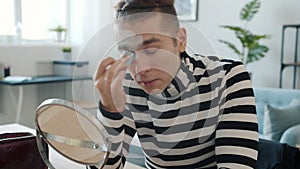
(181,40)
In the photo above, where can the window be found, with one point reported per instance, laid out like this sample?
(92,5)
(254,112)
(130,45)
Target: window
(7,18)
(31,19)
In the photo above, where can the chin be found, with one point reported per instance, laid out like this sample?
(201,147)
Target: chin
(152,91)
(155,91)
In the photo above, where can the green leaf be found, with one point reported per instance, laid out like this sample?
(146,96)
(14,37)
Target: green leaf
(258,37)
(240,33)
(58,28)
(245,37)
(257,52)
(249,10)
(231,46)
(233,28)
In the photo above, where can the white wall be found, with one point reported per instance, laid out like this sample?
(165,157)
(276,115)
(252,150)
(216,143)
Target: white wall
(272,15)
(87,18)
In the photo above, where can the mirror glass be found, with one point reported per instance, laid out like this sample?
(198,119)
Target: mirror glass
(72,132)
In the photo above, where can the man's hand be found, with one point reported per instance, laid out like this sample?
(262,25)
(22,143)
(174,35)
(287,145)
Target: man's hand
(108,81)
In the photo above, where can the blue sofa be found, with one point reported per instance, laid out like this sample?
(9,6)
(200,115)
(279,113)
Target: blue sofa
(278,98)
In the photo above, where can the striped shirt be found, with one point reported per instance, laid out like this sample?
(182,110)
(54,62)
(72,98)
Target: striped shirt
(206,118)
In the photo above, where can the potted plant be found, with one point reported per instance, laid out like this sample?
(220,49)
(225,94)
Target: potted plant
(67,52)
(251,48)
(60,33)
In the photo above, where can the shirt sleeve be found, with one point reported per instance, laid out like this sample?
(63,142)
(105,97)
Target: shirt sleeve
(121,129)
(237,130)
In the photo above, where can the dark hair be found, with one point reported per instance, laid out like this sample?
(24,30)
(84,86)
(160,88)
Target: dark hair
(128,7)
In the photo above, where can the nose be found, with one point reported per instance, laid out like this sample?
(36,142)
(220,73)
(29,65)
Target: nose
(140,65)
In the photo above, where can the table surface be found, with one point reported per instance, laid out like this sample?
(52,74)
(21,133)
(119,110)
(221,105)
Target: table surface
(43,79)
(20,128)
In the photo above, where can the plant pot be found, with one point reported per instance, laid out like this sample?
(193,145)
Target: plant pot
(59,37)
(67,56)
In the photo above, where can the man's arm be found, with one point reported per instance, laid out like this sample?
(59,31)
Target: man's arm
(237,130)
(116,120)
(121,130)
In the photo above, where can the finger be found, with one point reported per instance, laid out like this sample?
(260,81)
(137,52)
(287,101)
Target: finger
(122,64)
(119,94)
(102,67)
(115,68)
(128,56)
(118,79)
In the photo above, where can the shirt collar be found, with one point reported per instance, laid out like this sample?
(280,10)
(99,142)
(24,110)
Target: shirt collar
(181,81)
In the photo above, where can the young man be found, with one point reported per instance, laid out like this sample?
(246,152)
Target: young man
(187,111)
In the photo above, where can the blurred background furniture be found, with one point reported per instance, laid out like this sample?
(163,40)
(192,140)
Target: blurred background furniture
(13,128)
(280,100)
(295,63)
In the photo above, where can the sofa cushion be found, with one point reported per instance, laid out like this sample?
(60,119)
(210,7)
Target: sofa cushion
(291,136)
(278,119)
(273,96)
(295,101)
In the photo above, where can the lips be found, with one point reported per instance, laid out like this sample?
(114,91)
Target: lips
(148,83)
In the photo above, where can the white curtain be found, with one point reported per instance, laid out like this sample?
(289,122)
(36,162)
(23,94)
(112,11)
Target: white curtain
(89,16)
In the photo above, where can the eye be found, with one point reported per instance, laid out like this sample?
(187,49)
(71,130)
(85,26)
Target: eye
(150,51)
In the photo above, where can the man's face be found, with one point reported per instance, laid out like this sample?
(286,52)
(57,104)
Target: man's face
(157,56)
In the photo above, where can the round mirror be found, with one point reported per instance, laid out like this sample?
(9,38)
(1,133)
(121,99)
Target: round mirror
(72,132)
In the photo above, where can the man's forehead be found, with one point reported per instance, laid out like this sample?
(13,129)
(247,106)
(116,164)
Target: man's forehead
(144,24)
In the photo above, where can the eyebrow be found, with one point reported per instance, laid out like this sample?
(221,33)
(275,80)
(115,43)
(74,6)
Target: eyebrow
(145,43)
(151,40)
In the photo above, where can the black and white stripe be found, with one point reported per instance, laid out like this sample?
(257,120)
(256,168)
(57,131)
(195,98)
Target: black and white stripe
(206,118)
